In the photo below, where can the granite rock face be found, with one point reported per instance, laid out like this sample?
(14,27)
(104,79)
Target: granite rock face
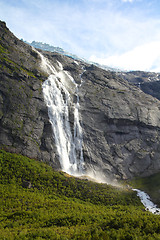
(121,124)
(24,123)
(148,82)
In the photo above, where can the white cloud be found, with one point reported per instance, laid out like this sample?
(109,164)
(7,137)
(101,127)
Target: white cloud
(145,57)
(127,0)
(103,28)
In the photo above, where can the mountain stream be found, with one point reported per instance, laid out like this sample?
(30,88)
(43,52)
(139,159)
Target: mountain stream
(146,201)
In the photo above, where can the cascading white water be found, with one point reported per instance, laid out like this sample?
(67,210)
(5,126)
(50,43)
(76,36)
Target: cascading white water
(57,91)
(145,199)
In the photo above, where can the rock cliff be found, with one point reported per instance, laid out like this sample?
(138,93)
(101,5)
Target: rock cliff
(148,82)
(121,124)
(24,124)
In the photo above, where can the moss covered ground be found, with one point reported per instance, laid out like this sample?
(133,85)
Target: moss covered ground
(54,206)
(9,66)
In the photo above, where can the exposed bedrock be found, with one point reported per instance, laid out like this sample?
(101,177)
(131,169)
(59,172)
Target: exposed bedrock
(121,124)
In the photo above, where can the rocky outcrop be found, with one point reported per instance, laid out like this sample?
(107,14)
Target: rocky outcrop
(24,123)
(121,124)
(148,82)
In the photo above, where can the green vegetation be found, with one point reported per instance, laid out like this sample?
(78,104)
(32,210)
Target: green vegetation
(11,67)
(2,49)
(16,66)
(38,203)
(8,65)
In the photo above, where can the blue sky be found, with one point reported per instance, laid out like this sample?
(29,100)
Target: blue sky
(119,33)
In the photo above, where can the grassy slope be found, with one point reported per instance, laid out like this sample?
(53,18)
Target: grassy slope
(61,207)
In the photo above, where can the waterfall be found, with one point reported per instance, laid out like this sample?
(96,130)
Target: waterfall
(59,90)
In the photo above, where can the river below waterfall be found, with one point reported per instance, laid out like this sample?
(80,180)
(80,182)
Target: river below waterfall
(146,201)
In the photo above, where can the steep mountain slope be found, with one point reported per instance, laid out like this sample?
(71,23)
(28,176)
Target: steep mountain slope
(121,124)
(24,116)
(50,48)
(148,82)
